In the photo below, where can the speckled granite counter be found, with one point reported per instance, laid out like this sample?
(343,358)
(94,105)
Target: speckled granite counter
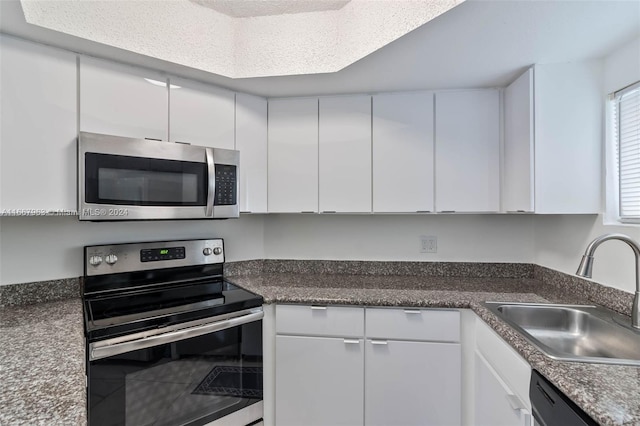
(42,350)
(42,364)
(610,394)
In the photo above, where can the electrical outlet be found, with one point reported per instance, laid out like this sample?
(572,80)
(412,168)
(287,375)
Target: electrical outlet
(428,244)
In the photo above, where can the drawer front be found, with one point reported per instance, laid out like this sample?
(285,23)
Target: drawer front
(437,325)
(339,321)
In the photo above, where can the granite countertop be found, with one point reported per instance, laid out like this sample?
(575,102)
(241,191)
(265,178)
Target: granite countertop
(43,355)
(608,393)
(42,366)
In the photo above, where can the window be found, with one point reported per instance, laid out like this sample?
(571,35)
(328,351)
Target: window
(626,134)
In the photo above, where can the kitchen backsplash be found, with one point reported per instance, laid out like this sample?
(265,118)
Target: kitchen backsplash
(618,300)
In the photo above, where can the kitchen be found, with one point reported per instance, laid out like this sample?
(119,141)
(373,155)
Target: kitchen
(554,241)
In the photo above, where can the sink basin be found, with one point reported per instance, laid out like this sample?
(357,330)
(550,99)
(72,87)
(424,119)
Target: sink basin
(573,332)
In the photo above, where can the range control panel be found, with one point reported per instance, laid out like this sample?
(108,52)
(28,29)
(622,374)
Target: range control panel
(156,254)
(117,258)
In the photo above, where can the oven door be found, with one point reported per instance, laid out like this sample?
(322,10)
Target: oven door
(200,373)
(134,179)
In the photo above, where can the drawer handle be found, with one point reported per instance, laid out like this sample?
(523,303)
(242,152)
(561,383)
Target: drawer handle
(351,341)
(412,311)
(319,308)
(516,403)
(379,342)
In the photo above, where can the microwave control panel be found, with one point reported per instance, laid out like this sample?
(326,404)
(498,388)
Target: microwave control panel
(226,185)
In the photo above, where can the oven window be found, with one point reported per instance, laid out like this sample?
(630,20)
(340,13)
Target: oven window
(122,180)
(188,382)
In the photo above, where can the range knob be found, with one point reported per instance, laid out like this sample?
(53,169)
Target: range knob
(217,250)
(95,260)
(111,259)
(207,251)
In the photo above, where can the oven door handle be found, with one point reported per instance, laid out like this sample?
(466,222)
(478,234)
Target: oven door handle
(104,349)
(211,171)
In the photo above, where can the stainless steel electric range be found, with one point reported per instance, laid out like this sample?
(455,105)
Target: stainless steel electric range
(169,341)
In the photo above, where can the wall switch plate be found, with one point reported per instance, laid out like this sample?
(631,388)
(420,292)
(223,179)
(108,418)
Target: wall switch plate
(428,244)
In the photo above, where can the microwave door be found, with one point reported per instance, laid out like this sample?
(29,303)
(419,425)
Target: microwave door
(211,169)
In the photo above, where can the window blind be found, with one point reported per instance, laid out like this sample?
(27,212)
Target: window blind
(627,134)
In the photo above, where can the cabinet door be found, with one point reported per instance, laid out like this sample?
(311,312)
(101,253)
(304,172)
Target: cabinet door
(568,132)
(251,141)
(38,127)
(403,152)
(293,155)
(123,101)
(495,403)
(468,151)
(412,383)
(517,195)
(201,114)
(319,381)
(345,154)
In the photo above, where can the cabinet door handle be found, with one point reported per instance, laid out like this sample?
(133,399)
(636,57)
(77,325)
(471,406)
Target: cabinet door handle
(412,311)
(319,308)
(379,342)
(351,341)
(516,403)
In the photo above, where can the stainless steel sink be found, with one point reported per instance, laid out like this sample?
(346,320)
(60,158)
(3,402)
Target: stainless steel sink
(573,332)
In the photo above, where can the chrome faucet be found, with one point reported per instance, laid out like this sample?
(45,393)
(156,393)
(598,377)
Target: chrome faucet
(586,266)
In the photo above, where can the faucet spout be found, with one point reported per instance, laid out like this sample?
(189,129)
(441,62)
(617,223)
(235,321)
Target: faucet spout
(586,266)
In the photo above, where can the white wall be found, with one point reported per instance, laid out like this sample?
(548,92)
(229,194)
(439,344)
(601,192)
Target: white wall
(560,240)
(472,238)
(47,248)
(622,67)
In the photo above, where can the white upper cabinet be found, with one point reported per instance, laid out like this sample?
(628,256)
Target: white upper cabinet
(38,127)
(293,155)
(468,151)
(251,141)
(345,154)
(403,152)
(518,183)
(569,137)
(123,101)
(553,139)
(201,114)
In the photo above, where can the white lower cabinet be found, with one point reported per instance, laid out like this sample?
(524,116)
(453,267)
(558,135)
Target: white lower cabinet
(412,383)
(329,372)
(319,381)
(501,382)
(354,366)
(495,403)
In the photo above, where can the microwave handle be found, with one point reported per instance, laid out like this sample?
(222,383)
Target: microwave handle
(211,169)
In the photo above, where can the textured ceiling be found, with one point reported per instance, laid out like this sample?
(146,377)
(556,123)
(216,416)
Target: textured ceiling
(186,33)
(249,8)
(480,43)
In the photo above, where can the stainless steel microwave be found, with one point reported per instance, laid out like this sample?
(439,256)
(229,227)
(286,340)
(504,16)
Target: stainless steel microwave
(137,179)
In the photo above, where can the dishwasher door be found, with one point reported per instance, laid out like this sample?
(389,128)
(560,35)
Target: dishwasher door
(552,408)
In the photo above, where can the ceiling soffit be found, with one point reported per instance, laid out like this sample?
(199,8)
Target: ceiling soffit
(249,8)
(241,39)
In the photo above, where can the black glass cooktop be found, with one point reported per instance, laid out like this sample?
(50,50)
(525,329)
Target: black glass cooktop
(126,312)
